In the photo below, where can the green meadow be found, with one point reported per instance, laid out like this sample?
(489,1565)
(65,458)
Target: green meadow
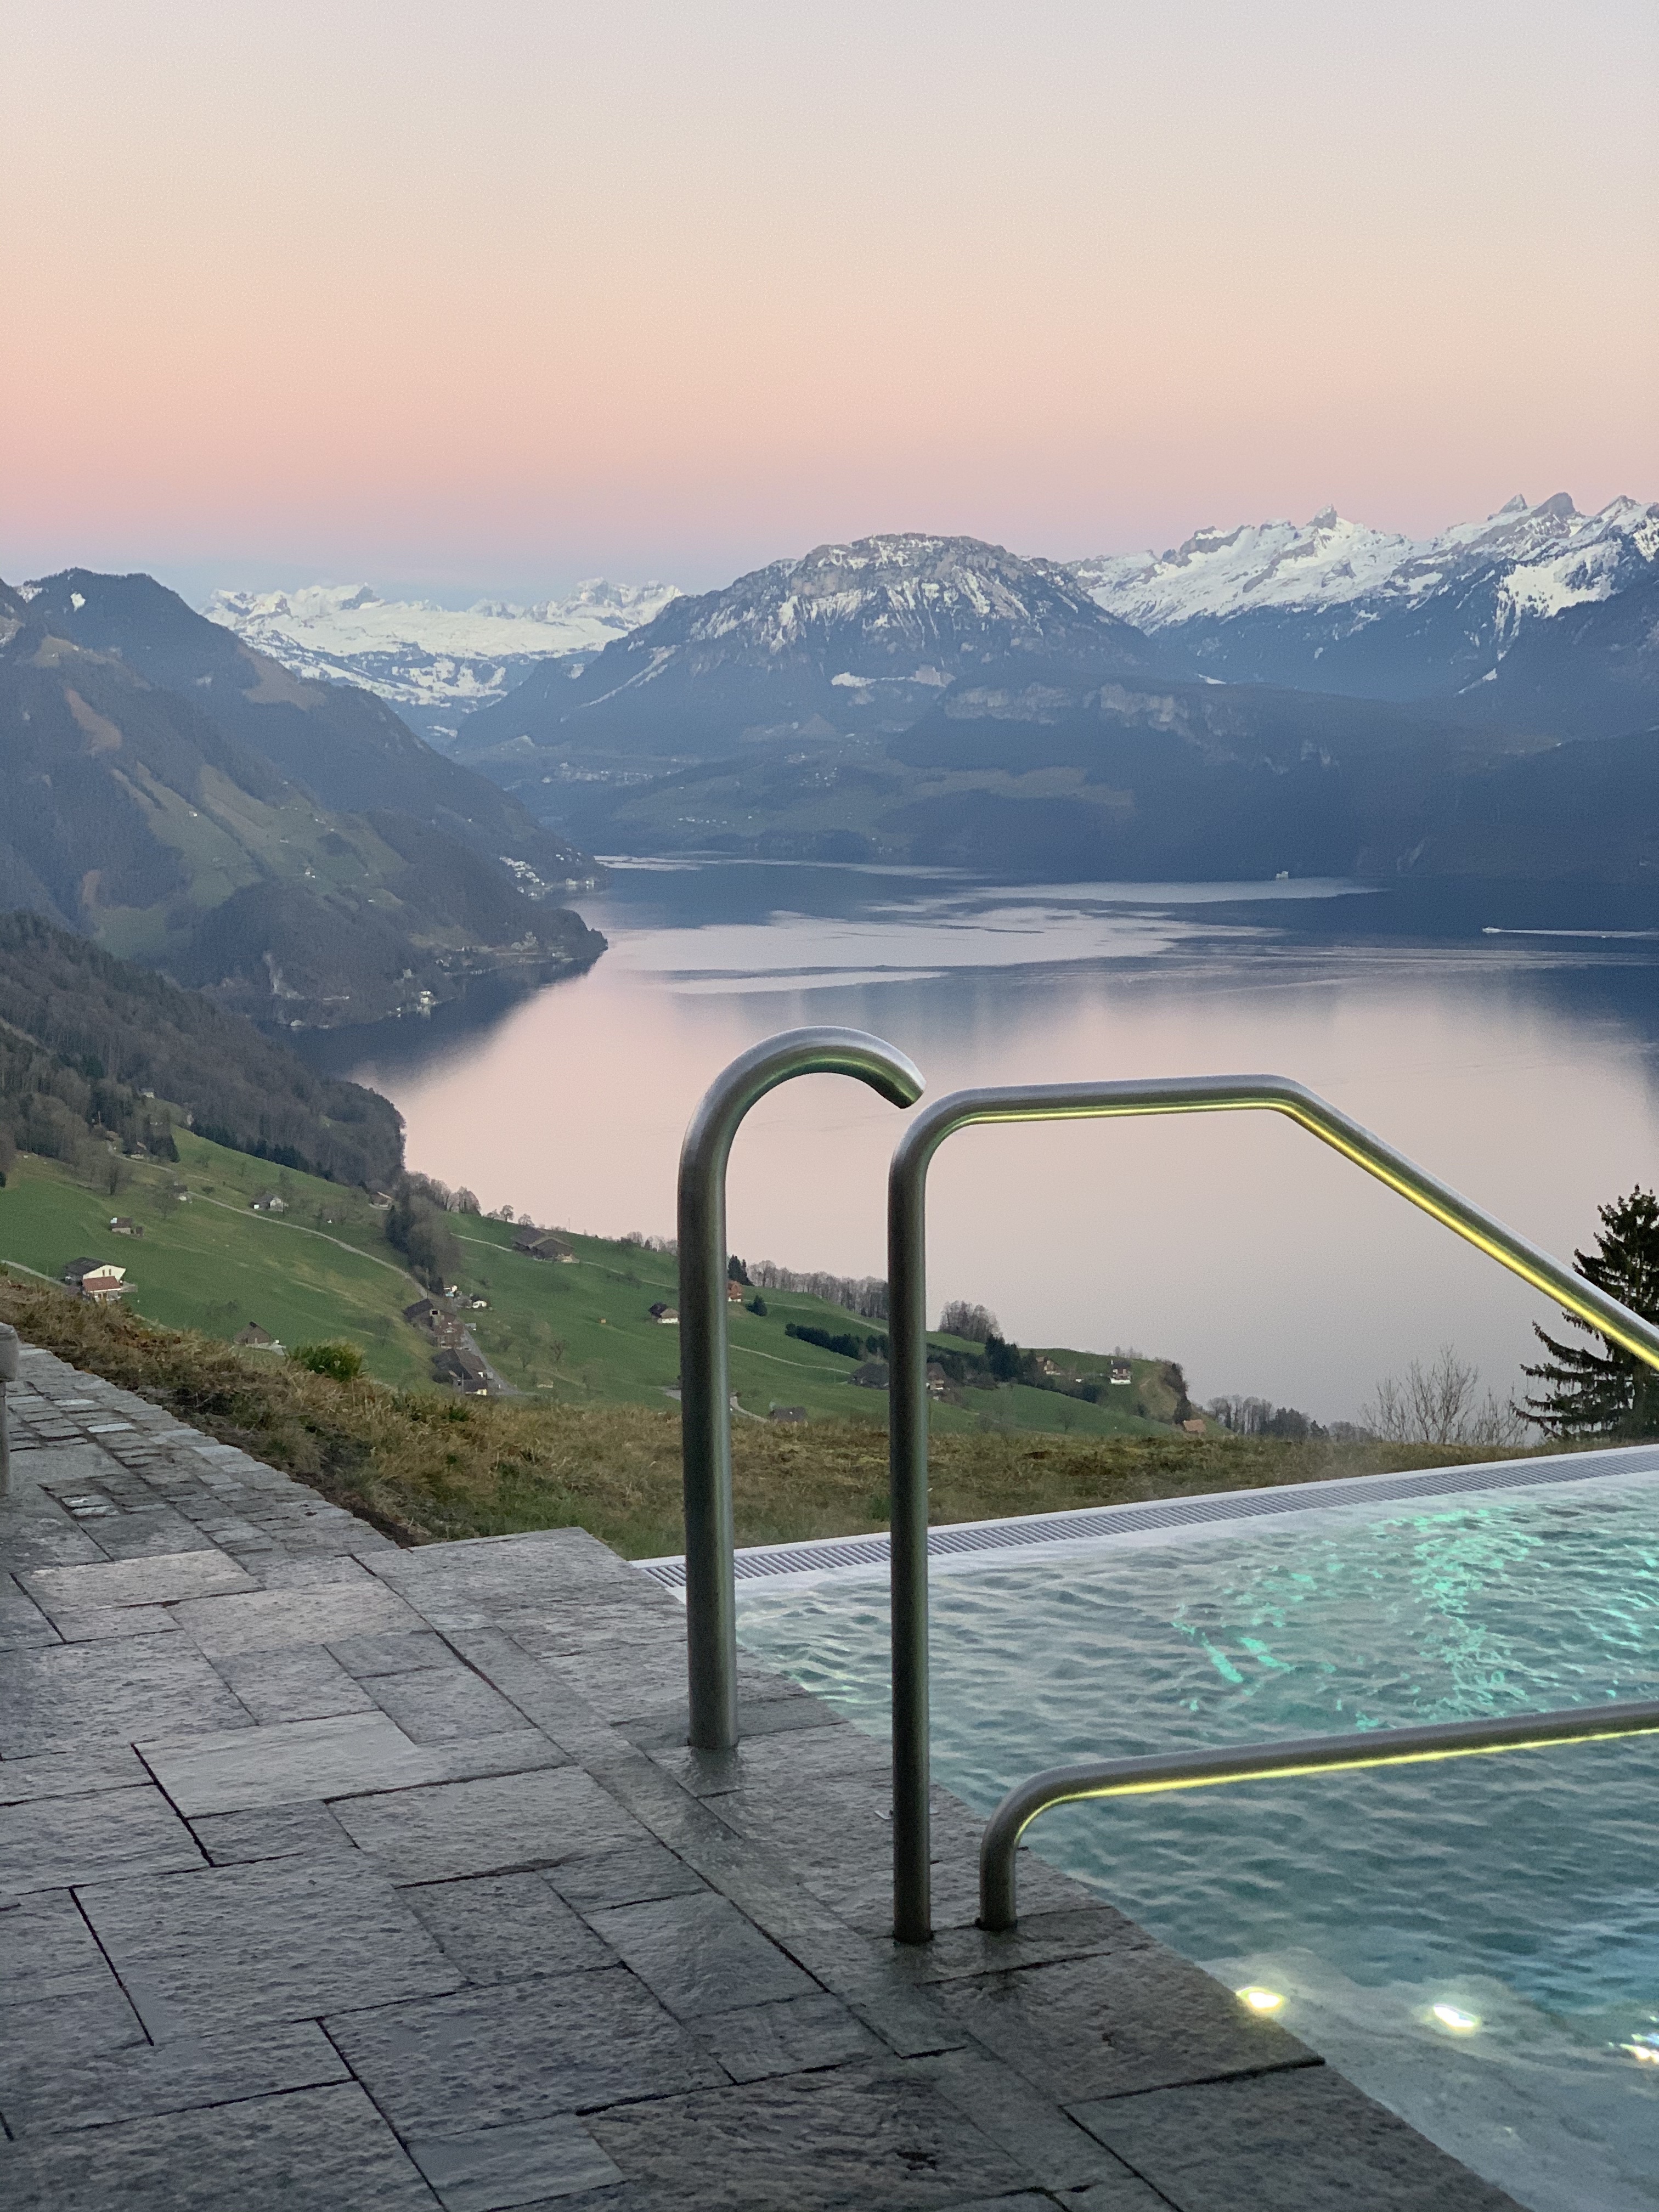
(579,1333)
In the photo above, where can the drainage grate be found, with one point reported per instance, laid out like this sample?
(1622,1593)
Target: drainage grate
(1105,1521)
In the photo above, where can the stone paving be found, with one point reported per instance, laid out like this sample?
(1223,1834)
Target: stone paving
(337,1875)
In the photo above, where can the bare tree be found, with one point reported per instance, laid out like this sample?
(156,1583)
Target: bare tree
(1440,1403)
(958,1318)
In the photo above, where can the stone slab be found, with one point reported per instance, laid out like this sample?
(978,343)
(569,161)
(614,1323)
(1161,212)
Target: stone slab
(57,1843)
(70,1773)
(509,2055)
(436,1704)
(144,2081)
(488,1827)
(302,1683)
(391,1653)
(755,2042)
(624,1873)
(274,1832)
(1305,2141)
(538,2161)
(854,2139)
(318,2150)
(1108,2025)
(699,1954)
(352,1754)
(265,1620)
(46,1948)
(157,1580)
(281,1939)
(71,1697)
(507,1928)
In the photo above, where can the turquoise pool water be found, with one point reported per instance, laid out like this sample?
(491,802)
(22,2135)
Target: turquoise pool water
(1519,1893)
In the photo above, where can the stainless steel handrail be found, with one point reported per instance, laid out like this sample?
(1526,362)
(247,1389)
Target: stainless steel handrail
(1319,1754)
(906,1328)
(711,1611)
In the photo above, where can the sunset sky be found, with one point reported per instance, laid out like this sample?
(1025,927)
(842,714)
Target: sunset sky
(494,296)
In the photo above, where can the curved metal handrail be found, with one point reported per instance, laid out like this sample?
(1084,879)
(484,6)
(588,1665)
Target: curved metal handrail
(907,1330)
(1319,1754)
(711,1612)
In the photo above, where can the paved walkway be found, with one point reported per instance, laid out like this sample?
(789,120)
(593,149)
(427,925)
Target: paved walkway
(339,1876)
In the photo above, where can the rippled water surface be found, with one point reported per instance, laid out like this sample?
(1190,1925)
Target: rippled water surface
(1522,1890)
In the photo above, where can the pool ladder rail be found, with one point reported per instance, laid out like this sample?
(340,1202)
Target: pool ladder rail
(710,1585)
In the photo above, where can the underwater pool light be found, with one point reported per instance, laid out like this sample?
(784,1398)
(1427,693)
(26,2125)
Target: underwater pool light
(1644,2049)
(1454,2017)
(1271,2000)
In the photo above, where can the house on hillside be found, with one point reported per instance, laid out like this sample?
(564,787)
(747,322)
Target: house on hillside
(269,1201)
(120,1225)
(872,1376)
(936,1379)
(664,1315)
(1120,1372)
(252,1338)
(463,1369)
(434,1320)
(98,1280)
(542,1243)
(734,1293)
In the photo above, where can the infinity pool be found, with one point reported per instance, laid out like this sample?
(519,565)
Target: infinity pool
(1519,1894)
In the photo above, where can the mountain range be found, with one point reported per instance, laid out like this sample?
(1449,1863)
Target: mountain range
(1312,699)
(289,846)
(1475,614)
(1328,606)
(433,663)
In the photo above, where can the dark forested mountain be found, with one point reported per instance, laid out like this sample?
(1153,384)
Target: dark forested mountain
(338,741)
(147,806)
(851,639)
(92,1046)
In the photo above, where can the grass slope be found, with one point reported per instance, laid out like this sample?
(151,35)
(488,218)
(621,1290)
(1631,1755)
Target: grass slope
(578,1335)
(426,1466)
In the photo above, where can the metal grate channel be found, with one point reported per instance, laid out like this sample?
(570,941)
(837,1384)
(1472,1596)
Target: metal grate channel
(1105,1521)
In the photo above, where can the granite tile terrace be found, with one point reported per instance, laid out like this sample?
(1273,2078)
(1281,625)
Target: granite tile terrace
(339,1876)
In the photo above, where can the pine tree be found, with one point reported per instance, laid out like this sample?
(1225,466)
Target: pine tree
(1608,1391)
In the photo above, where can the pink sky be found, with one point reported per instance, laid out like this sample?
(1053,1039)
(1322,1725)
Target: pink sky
(499,295)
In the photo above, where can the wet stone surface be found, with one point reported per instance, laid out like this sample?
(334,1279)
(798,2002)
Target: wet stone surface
(333,1875)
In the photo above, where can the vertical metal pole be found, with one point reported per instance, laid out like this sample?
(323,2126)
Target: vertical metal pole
(907,1446)
(711,1612)
(10,1367)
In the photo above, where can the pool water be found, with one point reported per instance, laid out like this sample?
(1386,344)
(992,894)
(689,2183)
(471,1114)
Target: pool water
(1519,1894)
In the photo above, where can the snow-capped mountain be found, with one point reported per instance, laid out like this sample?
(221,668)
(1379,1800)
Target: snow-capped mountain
(859,637)
(434,664)
(1332,605)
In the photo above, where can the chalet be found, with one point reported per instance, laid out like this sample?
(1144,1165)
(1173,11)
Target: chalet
(664,1315)
(936,1379)
(255,1338)
(269,1201)
(463,1369)
(120,1226)
(734,1293)
(872,1376)
(98,1280)
(1120,1372)
(434,1321)
(542,1243)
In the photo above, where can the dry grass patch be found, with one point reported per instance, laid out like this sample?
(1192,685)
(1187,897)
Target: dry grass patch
(426,1466)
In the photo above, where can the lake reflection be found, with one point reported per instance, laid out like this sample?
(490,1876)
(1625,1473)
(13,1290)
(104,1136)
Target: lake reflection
(1518,1066)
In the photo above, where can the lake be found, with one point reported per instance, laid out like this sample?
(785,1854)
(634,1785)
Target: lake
(1519,1066)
